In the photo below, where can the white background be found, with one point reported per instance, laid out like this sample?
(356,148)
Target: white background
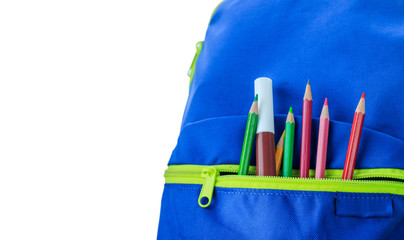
(91,100)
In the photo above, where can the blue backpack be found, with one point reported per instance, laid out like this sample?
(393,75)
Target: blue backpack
(345,48)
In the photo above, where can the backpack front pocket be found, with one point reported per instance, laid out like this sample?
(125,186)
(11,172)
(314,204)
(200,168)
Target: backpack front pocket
(242,207)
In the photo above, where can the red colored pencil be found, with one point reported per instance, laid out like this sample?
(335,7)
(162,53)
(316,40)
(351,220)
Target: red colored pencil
(354,139)
(306,133)
(322,141)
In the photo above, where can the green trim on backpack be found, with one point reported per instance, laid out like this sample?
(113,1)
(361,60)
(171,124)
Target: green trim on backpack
(191,70)
(199,45)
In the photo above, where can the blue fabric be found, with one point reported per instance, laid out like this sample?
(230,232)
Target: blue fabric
(364,205)
(344,47)
(219,141)
(272,214)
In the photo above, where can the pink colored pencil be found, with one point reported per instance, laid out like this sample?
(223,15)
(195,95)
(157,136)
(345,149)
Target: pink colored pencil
(306,133)
(322,141)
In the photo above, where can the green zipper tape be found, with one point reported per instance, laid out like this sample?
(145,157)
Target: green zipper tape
(209,177)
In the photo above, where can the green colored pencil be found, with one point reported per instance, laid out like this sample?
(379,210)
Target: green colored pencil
(249,136)
(289,141)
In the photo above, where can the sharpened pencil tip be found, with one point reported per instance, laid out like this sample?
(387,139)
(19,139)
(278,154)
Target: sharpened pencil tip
(326,102)
(363,95)
(307,92)
(290,118)
(308,81)
(256,97)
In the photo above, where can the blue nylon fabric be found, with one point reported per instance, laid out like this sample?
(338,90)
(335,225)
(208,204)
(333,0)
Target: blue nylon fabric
(344,47)
(363,205)
(272,214)
(219,141)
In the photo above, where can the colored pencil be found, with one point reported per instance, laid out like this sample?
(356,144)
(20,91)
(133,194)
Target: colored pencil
(279,152)
(354,139)
(322,141)
(249,135)
(306,132)
(289,142)
(265,137)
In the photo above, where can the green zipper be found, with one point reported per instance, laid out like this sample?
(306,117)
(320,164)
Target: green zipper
(199,45)
(210,177)
(191,70)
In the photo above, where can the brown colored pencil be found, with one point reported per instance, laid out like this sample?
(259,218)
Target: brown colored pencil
(265,137)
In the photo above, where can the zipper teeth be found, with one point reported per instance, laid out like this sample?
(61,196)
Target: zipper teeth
(301,180)
(197,174)
(228,169)
(379,175)
(234,169)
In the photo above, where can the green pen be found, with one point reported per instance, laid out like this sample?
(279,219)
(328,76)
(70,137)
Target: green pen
(289,141)
(249,136)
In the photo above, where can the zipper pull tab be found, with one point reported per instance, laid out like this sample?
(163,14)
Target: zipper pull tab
(192,67)
(205,197)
